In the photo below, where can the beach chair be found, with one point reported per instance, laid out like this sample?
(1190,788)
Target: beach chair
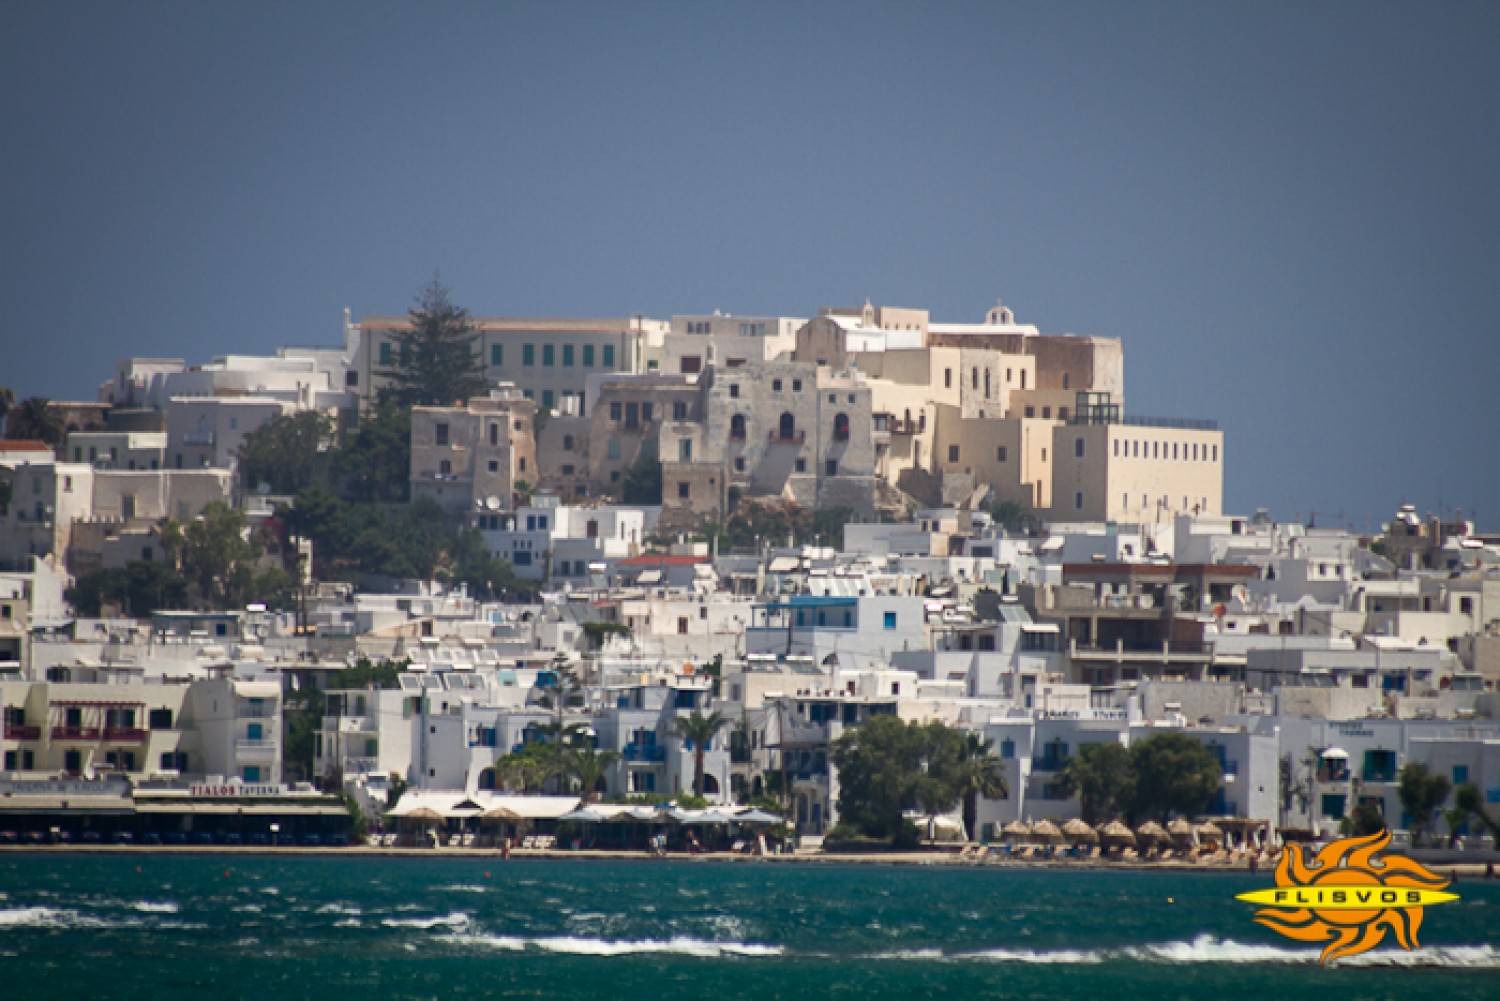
(1166,855)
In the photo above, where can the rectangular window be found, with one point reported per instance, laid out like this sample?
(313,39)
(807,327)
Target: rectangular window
(685,450)
(440,434)
(952,453)
(613,448)
(1031,411)
(1000,454)
(385,352)
(801,465)
(497,354)
(494,465)
(588,356)
(528,354)
(831,467)
(1077,448)
(890,620)
(1078,500)
(614,410)
(549,354)
(159,719)
(734,391)
(679,410)
(547,398)
(567,356)
(567,443)
(947,378)
(684,491)
(609,356)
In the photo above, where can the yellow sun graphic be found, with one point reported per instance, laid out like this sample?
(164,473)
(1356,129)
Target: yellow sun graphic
(1349,899)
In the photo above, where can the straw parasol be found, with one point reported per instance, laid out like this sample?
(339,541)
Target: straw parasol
(1210,831)
(1017,830)
(424,815)
(1152,831)
(1114,831)
(1046,830)
(1180,830)
(1077,832)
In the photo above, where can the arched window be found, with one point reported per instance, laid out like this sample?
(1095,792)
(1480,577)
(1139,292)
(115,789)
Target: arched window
(841,427)
(786,429)
(737,427)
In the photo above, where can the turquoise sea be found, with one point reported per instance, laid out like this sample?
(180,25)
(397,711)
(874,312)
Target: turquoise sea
(260,926)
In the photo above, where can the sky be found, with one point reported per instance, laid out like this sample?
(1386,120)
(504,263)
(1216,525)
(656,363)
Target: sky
(1287,212)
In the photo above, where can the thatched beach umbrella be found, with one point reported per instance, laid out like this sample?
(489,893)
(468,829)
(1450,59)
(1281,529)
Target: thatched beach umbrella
(1016,830)
(1046,831)
(1210,832)
(1152,831)
(1077,832)
(423,816)
(1115,832)
(1180,830)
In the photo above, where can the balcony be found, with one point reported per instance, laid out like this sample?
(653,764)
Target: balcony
(898,425)
(76,733)
(634,752)
(795,438)
(21,731)
(252,746)
(125,734)
(198,438)
(1049,763)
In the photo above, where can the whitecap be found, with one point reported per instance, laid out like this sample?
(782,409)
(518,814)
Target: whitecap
(349,923)
(55,917)
(338,907)
(910,954)
(676,946)
(455,920)
(464,888)
(1062,956)
(153,907)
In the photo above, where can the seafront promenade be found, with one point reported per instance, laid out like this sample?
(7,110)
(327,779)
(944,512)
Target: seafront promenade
(1444,863)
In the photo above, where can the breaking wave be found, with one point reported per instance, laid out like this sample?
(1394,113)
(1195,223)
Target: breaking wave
(457,919)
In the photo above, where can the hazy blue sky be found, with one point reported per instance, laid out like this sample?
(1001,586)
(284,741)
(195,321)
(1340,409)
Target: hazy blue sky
(1289,213)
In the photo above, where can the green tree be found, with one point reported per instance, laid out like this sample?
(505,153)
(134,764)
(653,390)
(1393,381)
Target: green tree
(288,453)
(1173,773)
(213,550)
(641,481)
(587,767)
(373,460)
(1011,516)
(1099,774)
(1422,794)
(436,360)
(141,587)
(977,773)
(7,402)
(699,731)
(884,770)
(1468,798)
(35,419)
(1366,820)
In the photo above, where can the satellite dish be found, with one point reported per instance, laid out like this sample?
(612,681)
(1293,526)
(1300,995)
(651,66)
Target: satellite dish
(492,502)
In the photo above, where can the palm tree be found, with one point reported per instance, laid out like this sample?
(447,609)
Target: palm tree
(978,773)
(33,419)
(587,766)
(522,772)
(698,730)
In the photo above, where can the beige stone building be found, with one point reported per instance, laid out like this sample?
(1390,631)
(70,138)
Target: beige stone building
(474,457)
(1139,471)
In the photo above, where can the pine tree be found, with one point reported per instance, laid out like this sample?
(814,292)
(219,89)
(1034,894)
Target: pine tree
(436,359)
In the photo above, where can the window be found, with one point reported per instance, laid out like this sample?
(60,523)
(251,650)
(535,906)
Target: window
(613,448)
(440,434)
(1030,411)
(609,356)
(1000,454)
(385,352)
(786,427)
(947,378)
(831,467)
(1078,500)
(952,453)
(974,379)
(548,397)
(614,410)
(679,410)
(890,620)
(521,464)
(1047,413)
(737,427)
(588,356)
(528,354)
(841,427)
(497,354)
(159,719)
(986,384)
(682,625)
(1077,448)
(684,491)
(494,465)
(1044,455)
(567,356)
(734,391)
(801,465)
(549,354)
(796,385)
(739,463)
(775,385)
(685,450)
(567,443)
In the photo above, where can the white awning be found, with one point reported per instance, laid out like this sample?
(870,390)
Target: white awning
(1335,754)
(785,564)
(649,577)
